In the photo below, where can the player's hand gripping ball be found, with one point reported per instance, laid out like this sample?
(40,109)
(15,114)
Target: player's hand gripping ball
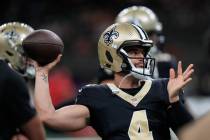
(43,46)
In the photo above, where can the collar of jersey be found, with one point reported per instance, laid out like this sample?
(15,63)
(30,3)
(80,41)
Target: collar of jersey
(133,100)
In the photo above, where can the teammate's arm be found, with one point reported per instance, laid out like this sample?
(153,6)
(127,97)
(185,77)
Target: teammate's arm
(198,130)
(72,117)
(33,129)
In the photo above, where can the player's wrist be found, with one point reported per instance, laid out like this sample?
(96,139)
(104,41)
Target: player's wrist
(43,75)
(41,70)
(174,99)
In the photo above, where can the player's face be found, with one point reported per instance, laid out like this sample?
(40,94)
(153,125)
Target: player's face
(136,55)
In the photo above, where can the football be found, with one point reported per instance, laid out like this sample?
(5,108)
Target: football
(42,46)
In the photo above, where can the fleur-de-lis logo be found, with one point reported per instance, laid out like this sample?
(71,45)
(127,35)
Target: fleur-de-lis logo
(110,35)
(12,35)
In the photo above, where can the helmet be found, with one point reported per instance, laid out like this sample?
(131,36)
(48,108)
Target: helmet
(148,20)
(141,16)
(12,35)
(112,44)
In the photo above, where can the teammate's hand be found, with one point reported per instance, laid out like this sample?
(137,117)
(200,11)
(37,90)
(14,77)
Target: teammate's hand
(177,82)
(47,67)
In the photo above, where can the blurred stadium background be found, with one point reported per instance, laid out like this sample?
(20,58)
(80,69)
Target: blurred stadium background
(186,25)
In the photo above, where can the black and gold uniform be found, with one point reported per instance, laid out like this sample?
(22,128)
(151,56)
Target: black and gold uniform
(142,113)
(15,106)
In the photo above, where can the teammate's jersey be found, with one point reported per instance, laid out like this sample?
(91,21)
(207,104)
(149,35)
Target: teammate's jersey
(117,115)
(15,107)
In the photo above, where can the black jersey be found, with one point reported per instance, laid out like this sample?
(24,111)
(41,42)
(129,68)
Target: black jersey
(117,115)
(15,108)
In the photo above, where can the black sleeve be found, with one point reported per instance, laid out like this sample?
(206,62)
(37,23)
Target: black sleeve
(178,116)
(164,91)
(18,100)
(89,95)
(83,97)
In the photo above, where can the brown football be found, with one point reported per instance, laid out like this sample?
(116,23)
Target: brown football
(43,46)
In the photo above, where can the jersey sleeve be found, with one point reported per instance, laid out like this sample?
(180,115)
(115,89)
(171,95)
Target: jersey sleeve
(17,99)
(86,96)
(164,93)
(95,98)
(178,116)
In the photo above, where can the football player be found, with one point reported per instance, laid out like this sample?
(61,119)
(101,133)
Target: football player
(15,32)
(148,20)
(133,106)
(17,113)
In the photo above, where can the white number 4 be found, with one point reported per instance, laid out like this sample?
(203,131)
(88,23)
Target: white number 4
(139,127)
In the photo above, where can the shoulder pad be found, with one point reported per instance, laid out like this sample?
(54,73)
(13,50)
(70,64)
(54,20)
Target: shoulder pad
(89,87)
